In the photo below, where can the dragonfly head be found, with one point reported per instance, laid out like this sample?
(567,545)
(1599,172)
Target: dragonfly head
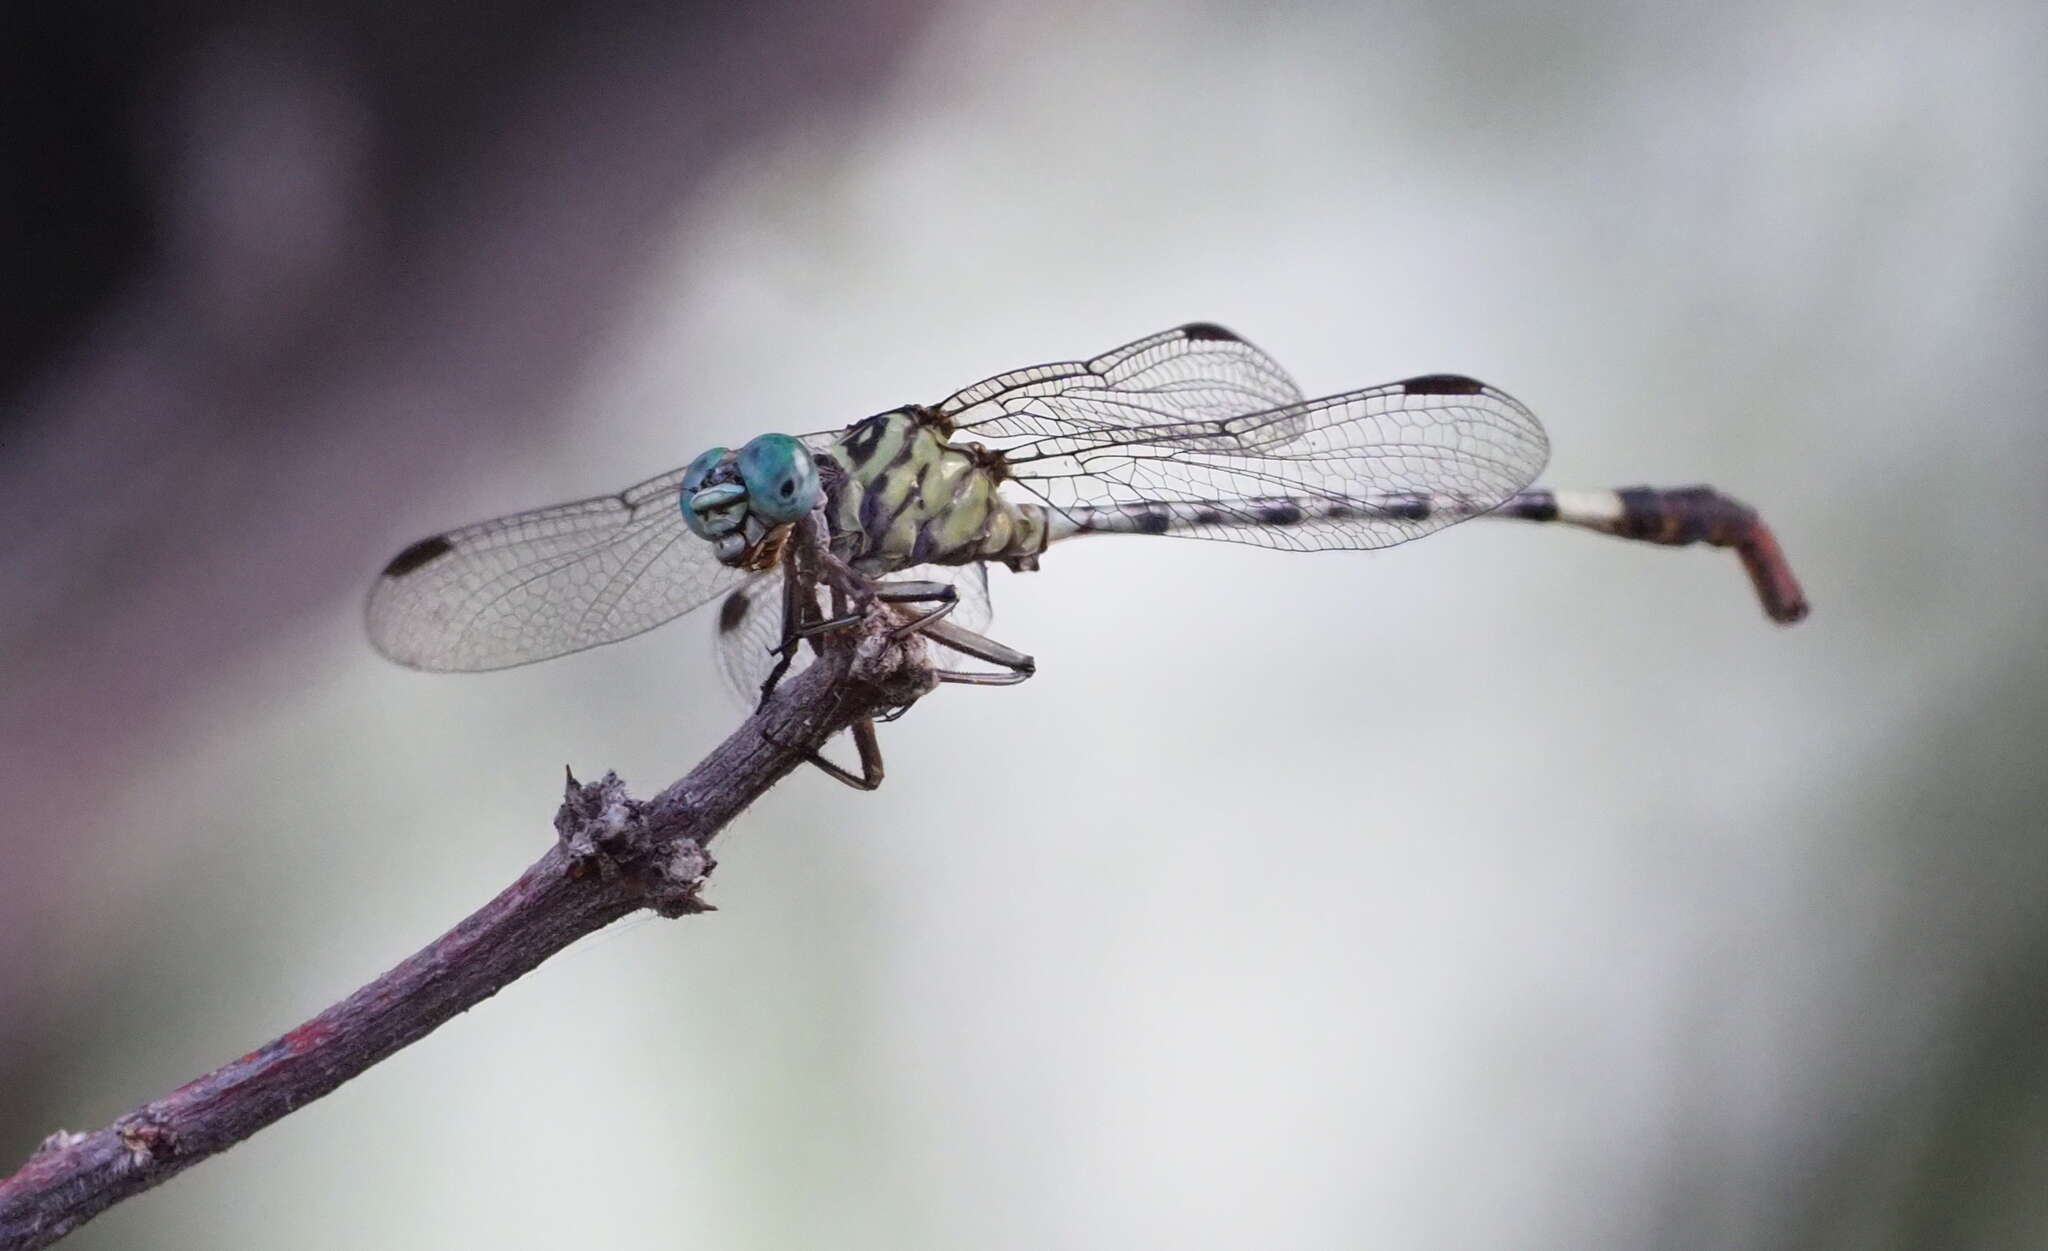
(741,500)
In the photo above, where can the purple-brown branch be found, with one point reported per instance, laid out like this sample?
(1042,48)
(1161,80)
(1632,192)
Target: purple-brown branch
(613,856)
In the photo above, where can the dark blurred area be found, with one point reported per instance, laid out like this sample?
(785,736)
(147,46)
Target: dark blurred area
(68,86)
(251,249)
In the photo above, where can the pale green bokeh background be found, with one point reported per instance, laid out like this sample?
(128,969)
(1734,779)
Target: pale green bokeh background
(1514,888)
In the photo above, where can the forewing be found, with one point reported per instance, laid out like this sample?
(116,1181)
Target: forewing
(1364,469)
(544,583)
(750,624)
(1193,373)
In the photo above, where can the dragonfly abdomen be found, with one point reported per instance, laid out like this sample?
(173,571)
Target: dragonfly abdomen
(1270,511)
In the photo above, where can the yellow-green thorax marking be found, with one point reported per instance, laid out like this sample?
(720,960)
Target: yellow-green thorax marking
(907,496)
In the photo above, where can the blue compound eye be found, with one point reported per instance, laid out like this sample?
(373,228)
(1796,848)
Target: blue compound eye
(693,481)
(693,477)
(781,478)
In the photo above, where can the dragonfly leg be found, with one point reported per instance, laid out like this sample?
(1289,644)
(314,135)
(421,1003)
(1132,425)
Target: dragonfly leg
(865,742)
(981,647)
(785,656)
(843,578)
(889,593)
(818,629)
(800,611)
(941,594)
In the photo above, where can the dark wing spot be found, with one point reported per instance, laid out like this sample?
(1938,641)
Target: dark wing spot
(1443,384)
(1207,517)
(420,553)
(1340,512)
(732,612)
(1410,508)
(1280,514)
(1207,330)
(1153,521)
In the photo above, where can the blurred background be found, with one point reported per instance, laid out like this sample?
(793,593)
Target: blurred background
(1515,888)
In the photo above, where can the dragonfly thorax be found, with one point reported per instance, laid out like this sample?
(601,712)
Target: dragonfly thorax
(744,502)
(908,495)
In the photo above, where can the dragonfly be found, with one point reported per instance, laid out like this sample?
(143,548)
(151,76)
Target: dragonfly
(1192,432)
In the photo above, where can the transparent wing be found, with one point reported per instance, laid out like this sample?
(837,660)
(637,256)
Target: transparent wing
(544,583)
(749,628)
(976,610)
(750,625)
(1364,469)
(1193,373)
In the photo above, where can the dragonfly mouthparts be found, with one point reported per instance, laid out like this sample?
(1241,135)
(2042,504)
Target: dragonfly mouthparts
(719,509)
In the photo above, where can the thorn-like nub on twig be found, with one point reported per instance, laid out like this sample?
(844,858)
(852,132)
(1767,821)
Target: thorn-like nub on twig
(145,1138)
(598,824)
(673,883)
(899,667)
(603,829)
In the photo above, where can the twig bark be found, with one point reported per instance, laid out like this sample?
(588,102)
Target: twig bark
(613,856)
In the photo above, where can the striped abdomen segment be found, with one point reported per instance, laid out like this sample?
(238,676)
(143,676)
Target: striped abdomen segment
(1673,517)
(1164,517)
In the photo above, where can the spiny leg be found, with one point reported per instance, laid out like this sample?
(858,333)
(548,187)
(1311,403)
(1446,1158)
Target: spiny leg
(865,743)
(799,615)
(941,594)
(932,625)
(803,620)
(966,641)
(981,647)
(870,748)
(810,565)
